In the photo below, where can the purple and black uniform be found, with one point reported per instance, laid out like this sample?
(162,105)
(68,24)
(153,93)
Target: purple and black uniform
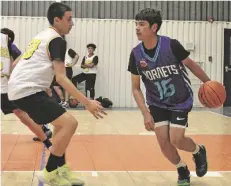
(168,88)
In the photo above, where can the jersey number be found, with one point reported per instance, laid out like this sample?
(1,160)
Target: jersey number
(34,44)
(165,89)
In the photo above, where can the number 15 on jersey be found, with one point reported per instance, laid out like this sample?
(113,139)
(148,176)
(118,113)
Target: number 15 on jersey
(165,89)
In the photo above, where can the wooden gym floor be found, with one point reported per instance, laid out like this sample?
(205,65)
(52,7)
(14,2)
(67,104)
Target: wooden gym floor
(117,151)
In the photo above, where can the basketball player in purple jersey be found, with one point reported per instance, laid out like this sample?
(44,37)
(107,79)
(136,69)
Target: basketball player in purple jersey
(161,62)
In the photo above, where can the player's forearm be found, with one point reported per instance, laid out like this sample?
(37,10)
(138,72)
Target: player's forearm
(139,97)
(71,89)
(76,58)
(196,69)
(84,66)
(199,73)
(91,65)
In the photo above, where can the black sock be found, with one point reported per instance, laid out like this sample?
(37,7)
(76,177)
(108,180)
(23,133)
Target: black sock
(61,161)
(52,163)
(47,143)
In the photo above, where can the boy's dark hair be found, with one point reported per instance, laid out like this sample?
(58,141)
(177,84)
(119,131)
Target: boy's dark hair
(56,10)
(91,45)
(152,16)
(9,33)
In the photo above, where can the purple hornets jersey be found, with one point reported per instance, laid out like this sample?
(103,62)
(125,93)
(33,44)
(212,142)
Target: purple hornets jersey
(165,78)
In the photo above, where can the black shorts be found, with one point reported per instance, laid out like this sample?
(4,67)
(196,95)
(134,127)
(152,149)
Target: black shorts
(7,106)
(89,78)
(69,73)
(40,107)
(167,117)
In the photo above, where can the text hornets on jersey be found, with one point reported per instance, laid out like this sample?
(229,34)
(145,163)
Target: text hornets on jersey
(160,72)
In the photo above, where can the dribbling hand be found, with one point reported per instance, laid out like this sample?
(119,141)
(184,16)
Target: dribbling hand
(95,108)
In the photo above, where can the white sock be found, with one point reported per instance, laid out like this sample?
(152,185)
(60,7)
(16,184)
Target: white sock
(180,164)
(197,149)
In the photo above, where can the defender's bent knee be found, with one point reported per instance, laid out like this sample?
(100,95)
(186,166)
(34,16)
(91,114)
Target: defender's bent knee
(67,121)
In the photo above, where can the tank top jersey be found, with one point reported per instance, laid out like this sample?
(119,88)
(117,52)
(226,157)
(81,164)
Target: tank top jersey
(5,63)
(165,78)
(89,60)
(34,72)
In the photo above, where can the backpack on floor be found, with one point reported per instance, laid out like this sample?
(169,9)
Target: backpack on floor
(106,103)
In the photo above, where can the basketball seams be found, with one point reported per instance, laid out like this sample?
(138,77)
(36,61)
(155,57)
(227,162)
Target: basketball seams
(212,94)
(204,92)
(215,94)
(201,98)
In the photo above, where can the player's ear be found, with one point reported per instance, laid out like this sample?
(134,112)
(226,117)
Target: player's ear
(154,27)
(56,20)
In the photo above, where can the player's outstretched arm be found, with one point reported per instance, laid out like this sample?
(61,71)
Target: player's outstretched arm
(93,106)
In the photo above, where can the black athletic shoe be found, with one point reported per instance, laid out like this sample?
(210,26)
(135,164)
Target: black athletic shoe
(46,131)
(201,161)
(183,176)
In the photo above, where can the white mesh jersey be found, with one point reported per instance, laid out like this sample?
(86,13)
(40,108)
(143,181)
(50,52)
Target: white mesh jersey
(68,60)
(89,60)
(5,63)
(34,72)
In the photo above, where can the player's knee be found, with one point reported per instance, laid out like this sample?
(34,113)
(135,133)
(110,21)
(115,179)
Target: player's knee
(177,137)
(72,123)
(177,141)
(163,143)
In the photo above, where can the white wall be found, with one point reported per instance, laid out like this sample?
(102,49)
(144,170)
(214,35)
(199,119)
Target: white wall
(115,39)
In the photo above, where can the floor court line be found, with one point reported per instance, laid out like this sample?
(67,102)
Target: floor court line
(153,171)
(219,114)
(42,163)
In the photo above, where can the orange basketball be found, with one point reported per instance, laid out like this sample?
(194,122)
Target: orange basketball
(212,94)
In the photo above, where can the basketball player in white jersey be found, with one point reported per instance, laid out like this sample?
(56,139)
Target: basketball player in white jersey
(89,66)
(7,107)
(34,73)
(71,59)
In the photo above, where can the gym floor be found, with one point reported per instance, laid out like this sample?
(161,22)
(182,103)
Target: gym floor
(118,151)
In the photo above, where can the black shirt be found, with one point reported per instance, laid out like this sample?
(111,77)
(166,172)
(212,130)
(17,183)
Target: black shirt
(177,49)
(57,49)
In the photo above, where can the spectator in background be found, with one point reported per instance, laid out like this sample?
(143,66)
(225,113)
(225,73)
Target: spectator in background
(89,66)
